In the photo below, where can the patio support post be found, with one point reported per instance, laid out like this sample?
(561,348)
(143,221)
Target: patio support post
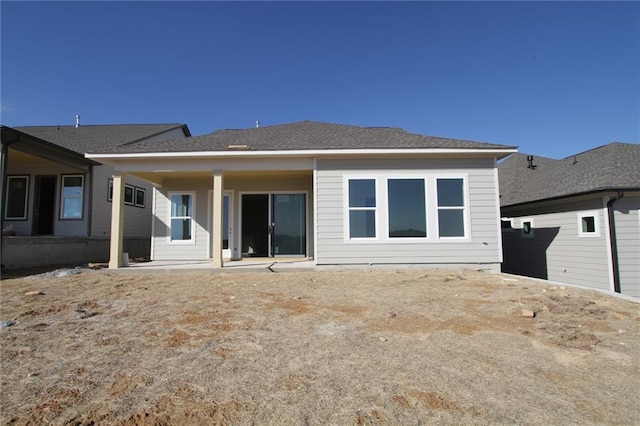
(117,221)
(216,226)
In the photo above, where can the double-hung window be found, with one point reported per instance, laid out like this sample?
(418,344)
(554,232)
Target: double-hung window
(17,196)
(362,208)
(182,223)
(72,197)
(406,208)
(451,207)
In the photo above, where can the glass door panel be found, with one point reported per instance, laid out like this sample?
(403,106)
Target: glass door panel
(255,225)
(289,225)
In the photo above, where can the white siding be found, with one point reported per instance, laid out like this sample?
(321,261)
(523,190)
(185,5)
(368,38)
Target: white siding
(164,250)
(137,220)
(481,248)
(32,166)
(628,239)
(556,251)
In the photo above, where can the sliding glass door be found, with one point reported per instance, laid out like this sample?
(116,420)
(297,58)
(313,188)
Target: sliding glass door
(274,225)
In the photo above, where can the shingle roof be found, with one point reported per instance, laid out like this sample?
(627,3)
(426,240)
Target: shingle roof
(612,166)
(83,139)
(305,135)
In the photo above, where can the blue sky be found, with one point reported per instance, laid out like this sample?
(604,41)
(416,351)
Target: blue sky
(554,78)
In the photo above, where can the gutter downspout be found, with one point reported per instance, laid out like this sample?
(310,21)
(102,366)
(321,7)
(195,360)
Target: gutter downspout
(614,245)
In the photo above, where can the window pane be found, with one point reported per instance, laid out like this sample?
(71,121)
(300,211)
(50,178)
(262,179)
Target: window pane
(451,223)
(407,210)
(72,186)
(588,224)
(526,227)
(450,193)
(181,205)
(16,197)
(128,194)
(72,208)
(72,195)
(362,224)
(140,197)
(362,193)
(180,229)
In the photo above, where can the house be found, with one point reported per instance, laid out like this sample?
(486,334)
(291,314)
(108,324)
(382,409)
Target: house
(337,194)
(56,204)
(574,220)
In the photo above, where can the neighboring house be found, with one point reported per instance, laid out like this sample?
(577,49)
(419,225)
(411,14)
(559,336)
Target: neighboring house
(56,204)
(574,220)
(338,194)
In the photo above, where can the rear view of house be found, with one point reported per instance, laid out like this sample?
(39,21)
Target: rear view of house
(574,220)
(337,194)
(56,204)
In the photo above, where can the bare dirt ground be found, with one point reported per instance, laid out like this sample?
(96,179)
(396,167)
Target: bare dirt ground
(350,347)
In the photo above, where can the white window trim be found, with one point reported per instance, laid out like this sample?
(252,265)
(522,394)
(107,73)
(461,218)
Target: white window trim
(596,222)
(465,207)
(135,197)
(62,198)
(511,224)
(26,198)
(385,213)
(532,234)
(192,240)
(382,213)
(347,209)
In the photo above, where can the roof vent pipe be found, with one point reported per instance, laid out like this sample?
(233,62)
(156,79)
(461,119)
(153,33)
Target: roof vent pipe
(77,120)
(257,124)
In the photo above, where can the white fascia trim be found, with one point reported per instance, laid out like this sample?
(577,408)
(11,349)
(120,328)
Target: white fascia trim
(302,152)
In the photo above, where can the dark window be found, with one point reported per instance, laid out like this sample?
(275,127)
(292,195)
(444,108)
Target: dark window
(128,194)
(17,196)
(140,194)
(588,224)
(407,208)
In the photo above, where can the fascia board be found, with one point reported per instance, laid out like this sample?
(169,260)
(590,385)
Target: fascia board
(306,153)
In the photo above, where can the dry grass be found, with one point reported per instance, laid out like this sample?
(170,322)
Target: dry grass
(355,347)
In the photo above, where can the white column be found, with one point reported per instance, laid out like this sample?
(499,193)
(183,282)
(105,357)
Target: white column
(216,226)
(117,222)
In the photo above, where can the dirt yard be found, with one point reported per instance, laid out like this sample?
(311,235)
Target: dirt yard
(350,347)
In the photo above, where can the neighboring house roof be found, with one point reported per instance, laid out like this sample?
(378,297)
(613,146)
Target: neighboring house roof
(88,138)
(301,136)
(30,144)
(609,167)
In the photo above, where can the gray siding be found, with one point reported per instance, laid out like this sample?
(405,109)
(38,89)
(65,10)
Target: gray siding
(27,165)
(199,250)
(482,246)
(137,220)
(628,238)
(556,251)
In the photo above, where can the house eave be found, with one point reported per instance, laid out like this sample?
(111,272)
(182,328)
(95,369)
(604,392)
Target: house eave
(320,153)
(571,197)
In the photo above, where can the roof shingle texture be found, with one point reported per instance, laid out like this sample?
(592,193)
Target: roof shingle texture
(305,135)
(89,138)
(609,167)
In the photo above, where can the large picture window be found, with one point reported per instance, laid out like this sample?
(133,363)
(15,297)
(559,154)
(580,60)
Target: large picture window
(407,208)
(17,196)
(71,203)
(451,207)
(182,216)
(362,208)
